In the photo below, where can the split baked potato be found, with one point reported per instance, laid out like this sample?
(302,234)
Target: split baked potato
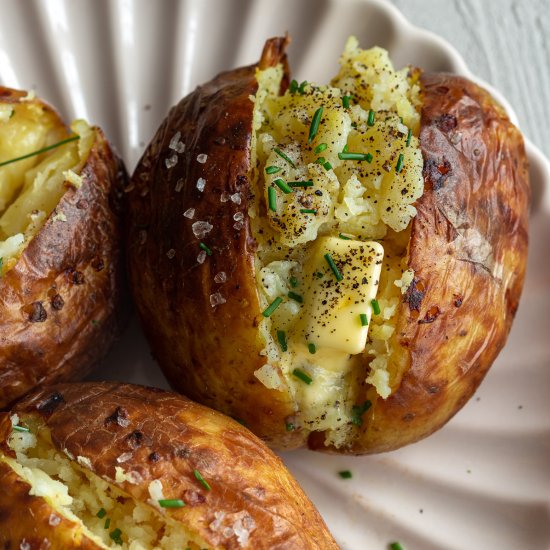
(108,465)
(61,286)
(338,266)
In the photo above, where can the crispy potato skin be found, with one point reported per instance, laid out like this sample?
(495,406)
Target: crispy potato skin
(468,251)
(209,353)
(169,437)
(44,339)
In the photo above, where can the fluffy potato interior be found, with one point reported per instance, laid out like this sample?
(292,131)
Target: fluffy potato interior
(109,516)
(31,188)
(337,169)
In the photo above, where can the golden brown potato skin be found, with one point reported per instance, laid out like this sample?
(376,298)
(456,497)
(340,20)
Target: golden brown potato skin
(468,251)
(169,437)
(209,353)
(63,304)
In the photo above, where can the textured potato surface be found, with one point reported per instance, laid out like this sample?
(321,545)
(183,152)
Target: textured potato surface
(62,296)
(109,465)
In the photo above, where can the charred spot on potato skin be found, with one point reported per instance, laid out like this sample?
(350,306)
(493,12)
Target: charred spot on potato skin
(414,295)
(82,204)
(98,264)
(436,172)
(120,416)
(51,403)
(37,313)
(446,122)
(57,302)
(75,277)
(463,332)
(135,439)
(458,301)
(409,417)
(154,457)
(184,452)
(431,315)
(433,389)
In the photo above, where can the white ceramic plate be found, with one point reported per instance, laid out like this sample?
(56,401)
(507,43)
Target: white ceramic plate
(481,482)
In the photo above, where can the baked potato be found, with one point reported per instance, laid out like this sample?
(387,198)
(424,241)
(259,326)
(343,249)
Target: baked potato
(338,266)
(61,287)
(104,464)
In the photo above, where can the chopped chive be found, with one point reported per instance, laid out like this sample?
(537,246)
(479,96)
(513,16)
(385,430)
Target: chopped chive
(375,307)
(296,297)
(284,157)
(201,480)
(357,412)
(355,156)
(171,503)
(272,198)
(40,151)
(345,474)
(107,523)
(281,338)
(320,148)
(311,348)
(272,307)
(409,136)
(327,166)
(345,101)
(302,87)
(370,119)
(272,169)
(281,184)
(21,429)
(320,160)
(396,546)
(344,237)
(333,266)
(302,376)
(102,513)
(115,536)
(293,282)
(293,86)
(307,183)
(314,128)
(364,319)
(206,249)
(345,149)
(308,211)
(289,427)
(1,263)
(400,160)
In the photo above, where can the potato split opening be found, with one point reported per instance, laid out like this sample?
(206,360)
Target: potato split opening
(78,494)
(337,170)
(30,189)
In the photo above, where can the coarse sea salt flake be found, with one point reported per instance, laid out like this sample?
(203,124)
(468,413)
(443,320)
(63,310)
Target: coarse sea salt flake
(220,277)
(171,253)
(54,520)
(236,198)
(124,457)
(202,158)
(217,299)
(201,229)
(238,225)
(201,183)
(238,216)
(179,185)
(201,257)
(189,213)
(176,144)
(170,162)
(224,197)
(24,544)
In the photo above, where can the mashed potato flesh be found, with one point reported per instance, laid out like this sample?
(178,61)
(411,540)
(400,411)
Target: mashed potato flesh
(30,189)
(78,494)
(355,177)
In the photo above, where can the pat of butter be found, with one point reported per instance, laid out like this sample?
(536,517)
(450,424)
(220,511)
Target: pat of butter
(331,316)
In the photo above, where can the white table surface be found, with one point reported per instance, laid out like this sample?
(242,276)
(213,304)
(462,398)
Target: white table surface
(505,42)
